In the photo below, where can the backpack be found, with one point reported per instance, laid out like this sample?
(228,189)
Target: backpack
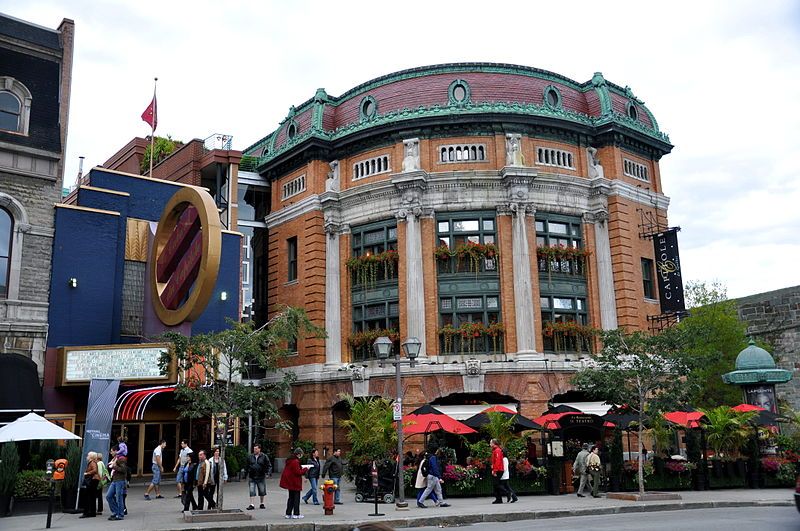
(103,471)
(424,467)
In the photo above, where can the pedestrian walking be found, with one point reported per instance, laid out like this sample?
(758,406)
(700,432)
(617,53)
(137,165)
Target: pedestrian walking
(594,466)
(220,471)
(157,467)
(313,474)
(511,496)
(188,481)
(421,482)
(205,482)
(91,480)
(334,468)
(119,472)
(292,480)
(180,463)
(105,479)
(257,466)
(580,469)
(434,482)
(497,470)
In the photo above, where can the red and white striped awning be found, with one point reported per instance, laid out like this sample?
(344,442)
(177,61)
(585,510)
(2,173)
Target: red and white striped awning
(132,404)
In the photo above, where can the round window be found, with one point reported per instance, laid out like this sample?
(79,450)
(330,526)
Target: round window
(368,108)
(292,130)
(459,93)
(552,98)
(632,112)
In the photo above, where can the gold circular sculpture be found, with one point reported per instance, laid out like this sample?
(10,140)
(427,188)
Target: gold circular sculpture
(184,261)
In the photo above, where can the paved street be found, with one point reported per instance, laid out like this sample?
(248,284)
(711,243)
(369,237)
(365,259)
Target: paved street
(724,519)
(166,514)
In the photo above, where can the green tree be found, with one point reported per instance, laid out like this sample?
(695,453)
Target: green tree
(646,372)
(162,147)
(499,427)
(371,430)
(212,366)
(714,335)
(727,430)
(9,466)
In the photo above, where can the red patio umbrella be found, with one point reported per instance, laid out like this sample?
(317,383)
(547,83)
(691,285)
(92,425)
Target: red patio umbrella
(549,421)
(741,408)
(687,419)
(499,409)
(429,422)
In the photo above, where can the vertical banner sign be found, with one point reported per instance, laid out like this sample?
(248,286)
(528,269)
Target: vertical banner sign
(99,416)
(668,271)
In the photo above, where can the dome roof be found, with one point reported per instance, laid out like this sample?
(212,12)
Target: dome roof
(754,357)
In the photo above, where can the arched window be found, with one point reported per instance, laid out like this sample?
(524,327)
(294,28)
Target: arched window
(6,232)
(15,105)
(9,112)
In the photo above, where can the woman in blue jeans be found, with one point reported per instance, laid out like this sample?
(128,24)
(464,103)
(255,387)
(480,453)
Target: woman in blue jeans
(313,476)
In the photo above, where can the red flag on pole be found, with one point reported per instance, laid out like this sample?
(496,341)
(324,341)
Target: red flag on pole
(150,114)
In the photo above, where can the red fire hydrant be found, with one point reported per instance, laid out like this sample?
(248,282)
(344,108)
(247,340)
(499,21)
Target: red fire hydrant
(328,490)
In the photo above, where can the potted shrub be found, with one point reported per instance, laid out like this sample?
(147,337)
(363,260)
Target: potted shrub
(9,464)
(30,492)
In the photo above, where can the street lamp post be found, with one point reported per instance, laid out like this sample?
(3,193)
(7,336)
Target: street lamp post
(383,350)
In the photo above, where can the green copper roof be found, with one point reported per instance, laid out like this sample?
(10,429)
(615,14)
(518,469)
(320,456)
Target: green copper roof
(756,365)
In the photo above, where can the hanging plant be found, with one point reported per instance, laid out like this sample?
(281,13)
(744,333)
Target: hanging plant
(443,253)
(448,332)
(495,331)
(474,253)
(554,255)
(365,338)
(364,269)
(560,332)
(470,333)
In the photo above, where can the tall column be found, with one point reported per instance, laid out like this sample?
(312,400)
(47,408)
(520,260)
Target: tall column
(415,285)
(523,289)
(605,273)
(333,302)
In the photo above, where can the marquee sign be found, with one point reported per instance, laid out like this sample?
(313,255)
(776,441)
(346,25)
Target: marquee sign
(131,363)
(668,271)
(185,257)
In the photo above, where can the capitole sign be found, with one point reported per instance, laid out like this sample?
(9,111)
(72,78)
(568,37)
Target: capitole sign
(185,257)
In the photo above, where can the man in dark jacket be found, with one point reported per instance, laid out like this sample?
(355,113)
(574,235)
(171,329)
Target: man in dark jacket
(334,469)
(313,476)
(257,466)
(434,482)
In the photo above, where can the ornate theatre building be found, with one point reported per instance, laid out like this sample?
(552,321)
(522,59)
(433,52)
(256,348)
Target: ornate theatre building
(497,213)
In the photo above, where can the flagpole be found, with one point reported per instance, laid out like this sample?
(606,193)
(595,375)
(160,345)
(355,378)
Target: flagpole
(152,130)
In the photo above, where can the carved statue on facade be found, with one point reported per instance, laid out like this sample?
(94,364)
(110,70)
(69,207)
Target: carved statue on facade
(332,182)
(595,168)
(358,373)
(514,150)
(473,367)
(411,159)
(410,203)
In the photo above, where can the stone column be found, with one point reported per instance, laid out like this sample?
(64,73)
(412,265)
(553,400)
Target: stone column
(605,273)
(523,289)
(415,285)
(333,301)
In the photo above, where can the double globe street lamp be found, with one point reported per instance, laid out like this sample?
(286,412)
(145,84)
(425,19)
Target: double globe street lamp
(383,351)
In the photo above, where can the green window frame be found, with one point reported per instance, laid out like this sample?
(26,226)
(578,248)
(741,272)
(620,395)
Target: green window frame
(458,310)
(459,229)
(560,231)
(563,309)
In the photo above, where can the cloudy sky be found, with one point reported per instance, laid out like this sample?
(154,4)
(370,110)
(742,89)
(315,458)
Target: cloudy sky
(722,78)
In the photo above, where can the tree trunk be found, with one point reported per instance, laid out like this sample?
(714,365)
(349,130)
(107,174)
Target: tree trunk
(640,456)
(222,447)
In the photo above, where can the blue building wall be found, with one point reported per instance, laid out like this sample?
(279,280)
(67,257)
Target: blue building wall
(90,246)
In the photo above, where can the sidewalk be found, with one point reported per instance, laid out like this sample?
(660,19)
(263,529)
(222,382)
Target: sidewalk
(166,514)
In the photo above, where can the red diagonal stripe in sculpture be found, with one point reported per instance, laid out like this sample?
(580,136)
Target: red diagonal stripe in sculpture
(187,227)
(125,413)
(180,282)
(130,407)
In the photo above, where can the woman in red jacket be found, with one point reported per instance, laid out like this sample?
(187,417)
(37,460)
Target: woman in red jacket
(292,480)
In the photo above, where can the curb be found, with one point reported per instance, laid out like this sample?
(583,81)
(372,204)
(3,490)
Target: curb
(465,519)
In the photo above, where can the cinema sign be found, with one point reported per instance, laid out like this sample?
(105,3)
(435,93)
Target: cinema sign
(185,256)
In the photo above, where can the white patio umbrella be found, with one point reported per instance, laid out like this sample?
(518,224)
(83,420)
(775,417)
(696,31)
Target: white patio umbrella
(33,427)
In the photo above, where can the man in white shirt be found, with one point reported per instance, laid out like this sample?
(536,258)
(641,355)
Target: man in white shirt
(181,462)
(157,468)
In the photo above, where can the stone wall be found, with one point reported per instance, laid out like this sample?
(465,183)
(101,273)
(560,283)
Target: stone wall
(775,318)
